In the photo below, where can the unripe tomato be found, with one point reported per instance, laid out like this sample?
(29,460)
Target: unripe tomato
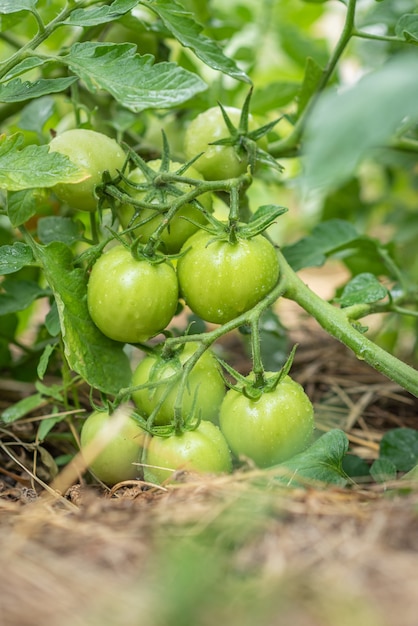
(95,153)
(217,162)
(116,462)
(131,300)
(205,386)
(220,280)
(180,228)
(203,450)
(271,429)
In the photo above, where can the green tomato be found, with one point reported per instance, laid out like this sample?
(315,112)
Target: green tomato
(117,461)
(220,280)
(203,450)
(205,387)
(271,429)
(95,153)
(217,162)
(180,228)
(131,300)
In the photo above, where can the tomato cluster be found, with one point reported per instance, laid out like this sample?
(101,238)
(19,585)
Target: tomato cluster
(169,250)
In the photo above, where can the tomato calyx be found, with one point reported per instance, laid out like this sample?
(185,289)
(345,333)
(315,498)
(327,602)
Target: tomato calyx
(244,141)
(256,384)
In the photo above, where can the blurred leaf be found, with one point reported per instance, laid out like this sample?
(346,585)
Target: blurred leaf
(132,79)
(13,6)
(17,295)
(13,258)
(101,362)
(400,446)
(273,96)
(362,289)
(188,32)
(355,467)
(18,91)
(23,407)
(22,205)
(47,425)
(274,341)
(321,462)
(55,228)
(312,76)
(33,166)
(100,15)
(44,360)
(345,126)
(383,470)
(36,113)
(407,27)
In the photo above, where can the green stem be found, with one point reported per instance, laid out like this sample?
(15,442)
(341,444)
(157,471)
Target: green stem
(286,146)
(389,38)
(257,366)
(335,322)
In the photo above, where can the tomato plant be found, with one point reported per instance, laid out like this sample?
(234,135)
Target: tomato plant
(220,279)
(181,226)
(119,458)
(217,161)
(131,300)
(202,394)
(271,427)
(95,153)
(203,450)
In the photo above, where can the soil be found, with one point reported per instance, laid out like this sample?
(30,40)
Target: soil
(217,548)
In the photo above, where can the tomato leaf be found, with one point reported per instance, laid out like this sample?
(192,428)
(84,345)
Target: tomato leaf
(407,27)
(33,166)
(346,126)
(55,228)
(22,205)
(23,407)
(19,294)
(313,74)
(383,470)
(132,79)
(400,446)
(13,258)
(18,91)
(363,288)
(24,66)
(100,15)
(13,6)
(182,25)
(321,462)
(100,361)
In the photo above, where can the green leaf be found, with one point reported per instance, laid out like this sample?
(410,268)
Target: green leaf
(36,114)
(273,96)
(23,407)
(326,237)
(18,295)
(321,462)
(100,15)
(400,446)
(132,79)
(181,24)
(33,166)
(22,205)
(18,91)
(13,258)
(407,27)
(55,228)
(362,289)
(47,425)
(24,66)
(44,360)
(13,6)
(313,74)
(101,362)
(383,470)
(346,126)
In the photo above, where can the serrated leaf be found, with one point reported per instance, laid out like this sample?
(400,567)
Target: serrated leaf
(133,80)
(55,228)
(362,289)
(346,126)
(33,166)
(313,250)
(320,463)
(400,446)
(407,27)
(22,205)
(101,362)
(13,258)
(100,15)
(17,295)
(188,32)
(13,6)
(18,91)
